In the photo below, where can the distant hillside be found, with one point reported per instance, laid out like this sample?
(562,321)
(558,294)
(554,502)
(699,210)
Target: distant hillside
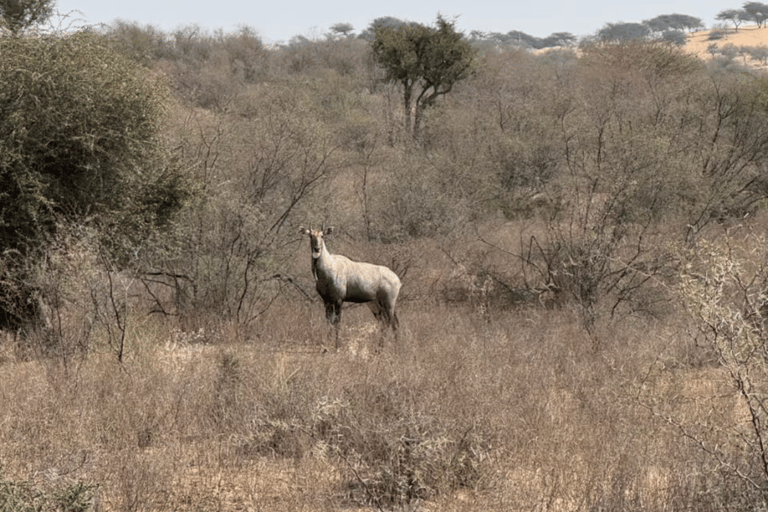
(699,42)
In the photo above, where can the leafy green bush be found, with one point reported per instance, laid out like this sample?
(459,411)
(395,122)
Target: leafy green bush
(23,497)
(78,133)
(79,126)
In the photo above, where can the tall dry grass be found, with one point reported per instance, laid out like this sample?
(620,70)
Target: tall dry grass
(469,409)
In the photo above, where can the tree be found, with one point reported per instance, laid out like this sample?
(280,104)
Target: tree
(521,39)
(735,16)
(559,39)
(19,15)
(383,21)
(667,22)
(623,32)
(425,61)
(518,39)
(345,29)
(758,11)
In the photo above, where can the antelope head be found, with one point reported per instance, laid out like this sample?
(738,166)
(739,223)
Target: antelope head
(316,239)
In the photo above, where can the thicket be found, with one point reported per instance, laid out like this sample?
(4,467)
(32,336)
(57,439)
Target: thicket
(80,145)
(611,166)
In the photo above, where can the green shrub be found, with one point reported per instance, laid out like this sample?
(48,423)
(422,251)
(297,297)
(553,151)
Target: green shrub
(23,497)
(79,142)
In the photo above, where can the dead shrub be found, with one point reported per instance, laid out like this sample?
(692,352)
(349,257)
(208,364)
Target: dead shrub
(390,454)
(416,203)
(140,483)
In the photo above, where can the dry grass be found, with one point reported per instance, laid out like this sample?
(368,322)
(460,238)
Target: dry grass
(544,416)
(475,406)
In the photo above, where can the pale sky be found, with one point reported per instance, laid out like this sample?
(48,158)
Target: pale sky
(279,20)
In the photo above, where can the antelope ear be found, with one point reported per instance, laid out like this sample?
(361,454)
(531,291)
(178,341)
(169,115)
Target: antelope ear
(303,231)
(329,230)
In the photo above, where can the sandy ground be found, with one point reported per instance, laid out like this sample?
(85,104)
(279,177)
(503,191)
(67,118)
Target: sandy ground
(699,42)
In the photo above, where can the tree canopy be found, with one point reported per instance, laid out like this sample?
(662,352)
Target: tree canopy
(77,127)
(757,11)
(667,22)
(19,15)
(517,39)
(623,31)
(425,61)
(345,29)
(735,16)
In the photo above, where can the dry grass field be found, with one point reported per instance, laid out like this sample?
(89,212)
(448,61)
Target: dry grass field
(474,407)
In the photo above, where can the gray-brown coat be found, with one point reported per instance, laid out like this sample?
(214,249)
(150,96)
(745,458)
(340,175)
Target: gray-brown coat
(339,279)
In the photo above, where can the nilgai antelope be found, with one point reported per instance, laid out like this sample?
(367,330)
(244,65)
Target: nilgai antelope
(339,279)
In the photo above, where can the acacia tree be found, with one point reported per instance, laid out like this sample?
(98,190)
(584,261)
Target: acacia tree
(425,61)
(667,22)
(345,29)
(758,11)
(735,16)
(623,32)
(559,39)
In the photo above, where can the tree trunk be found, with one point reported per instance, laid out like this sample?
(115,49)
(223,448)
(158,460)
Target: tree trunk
(422,102)
(419,115)
(407,95)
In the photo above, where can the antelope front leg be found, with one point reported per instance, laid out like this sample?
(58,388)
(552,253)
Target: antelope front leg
(333,315)
(337,321)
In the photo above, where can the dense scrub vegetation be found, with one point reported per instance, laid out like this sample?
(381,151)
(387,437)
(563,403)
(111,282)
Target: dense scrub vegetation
(578,232)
